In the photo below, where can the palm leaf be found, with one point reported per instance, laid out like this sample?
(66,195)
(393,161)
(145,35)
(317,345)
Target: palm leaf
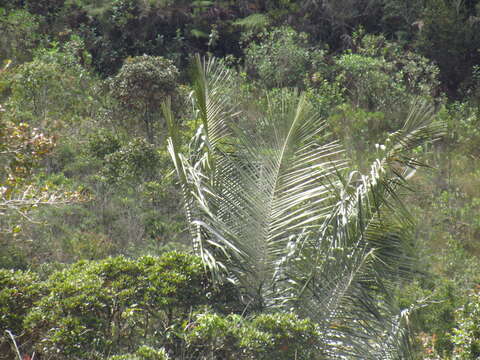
(268,193)
(276,211)
(362,245)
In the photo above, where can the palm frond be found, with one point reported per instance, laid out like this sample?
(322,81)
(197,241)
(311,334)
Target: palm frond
(276,211)
(359,252)
(269,192)
(213,112)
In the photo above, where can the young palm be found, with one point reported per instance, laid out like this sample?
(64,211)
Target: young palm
(276,210)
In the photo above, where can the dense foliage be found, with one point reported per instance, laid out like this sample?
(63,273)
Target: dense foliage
(90,204)
(116,305)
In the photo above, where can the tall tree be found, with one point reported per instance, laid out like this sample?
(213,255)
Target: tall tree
(142,84)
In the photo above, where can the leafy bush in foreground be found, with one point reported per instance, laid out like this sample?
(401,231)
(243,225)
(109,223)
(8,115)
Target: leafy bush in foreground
(97,308)
(266,336)
(18,292)
(152,308)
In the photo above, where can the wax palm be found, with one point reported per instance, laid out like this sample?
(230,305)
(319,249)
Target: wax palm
(276,211)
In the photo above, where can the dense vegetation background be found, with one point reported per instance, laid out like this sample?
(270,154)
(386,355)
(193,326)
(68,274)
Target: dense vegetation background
(89,199)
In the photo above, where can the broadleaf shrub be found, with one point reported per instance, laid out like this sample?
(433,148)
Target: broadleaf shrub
(19,290)
(283,57)
(264,336)
(96,308)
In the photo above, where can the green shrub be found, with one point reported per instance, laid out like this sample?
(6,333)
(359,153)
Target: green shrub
(142,84)
(360,129)
(381,75)
(110,306)
(265,336)
(18,34)
(44,7)
(19,290)
(443,291)
(137,160)
(418,74)
(103,143)
(288,337)
(213,334)
(143,353)
(12,255)
(449,37)
(54,88)
(283,57)
(144,81)
(367,80)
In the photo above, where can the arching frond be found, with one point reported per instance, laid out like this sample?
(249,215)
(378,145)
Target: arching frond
(277,211)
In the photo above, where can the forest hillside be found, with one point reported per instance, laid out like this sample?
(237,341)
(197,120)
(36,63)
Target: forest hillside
(250,179)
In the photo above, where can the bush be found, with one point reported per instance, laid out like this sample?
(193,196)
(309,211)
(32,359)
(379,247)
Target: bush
(367,81)
(53,89)
(19,290)
(444,292)
(142,84)
(18,34)
(265,336)
(97,308)
(103,143)
(288,337)
(449,37)
(137,160)
(282,58)
(381,75)
(44,7)
(144,80)
(143,353)
(93,309)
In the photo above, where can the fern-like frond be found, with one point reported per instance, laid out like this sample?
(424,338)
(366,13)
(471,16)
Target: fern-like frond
(277,211)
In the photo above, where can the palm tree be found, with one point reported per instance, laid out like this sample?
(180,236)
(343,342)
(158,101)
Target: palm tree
(277,211)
